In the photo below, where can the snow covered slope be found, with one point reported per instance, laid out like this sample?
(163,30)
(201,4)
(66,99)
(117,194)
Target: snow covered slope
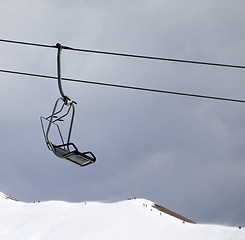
(131,219)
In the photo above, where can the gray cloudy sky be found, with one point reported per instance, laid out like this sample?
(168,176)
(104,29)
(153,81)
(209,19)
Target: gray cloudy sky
(184,153)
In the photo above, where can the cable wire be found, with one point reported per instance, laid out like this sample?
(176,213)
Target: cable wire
(125,86)
(28,43)
(126,54)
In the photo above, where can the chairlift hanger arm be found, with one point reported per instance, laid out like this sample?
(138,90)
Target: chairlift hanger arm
(65,98)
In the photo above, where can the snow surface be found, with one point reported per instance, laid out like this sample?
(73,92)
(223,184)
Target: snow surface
(129,219)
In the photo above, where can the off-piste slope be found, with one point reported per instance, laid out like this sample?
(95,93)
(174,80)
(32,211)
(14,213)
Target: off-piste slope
(131,219)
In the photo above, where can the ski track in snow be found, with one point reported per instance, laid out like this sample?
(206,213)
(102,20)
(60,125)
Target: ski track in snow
(129,219)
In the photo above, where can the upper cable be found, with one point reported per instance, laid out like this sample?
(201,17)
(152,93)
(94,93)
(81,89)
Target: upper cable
(126,54)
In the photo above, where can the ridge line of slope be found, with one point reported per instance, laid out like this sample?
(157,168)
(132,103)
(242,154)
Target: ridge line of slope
(171,213)
(8,197)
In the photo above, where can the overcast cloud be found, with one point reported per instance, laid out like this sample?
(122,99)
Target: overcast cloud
(186,154)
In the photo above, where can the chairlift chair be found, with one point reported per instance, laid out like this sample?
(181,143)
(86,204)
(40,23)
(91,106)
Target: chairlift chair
(66,149)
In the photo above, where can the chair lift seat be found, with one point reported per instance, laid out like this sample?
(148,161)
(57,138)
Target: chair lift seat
(82,159)
(63,151)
